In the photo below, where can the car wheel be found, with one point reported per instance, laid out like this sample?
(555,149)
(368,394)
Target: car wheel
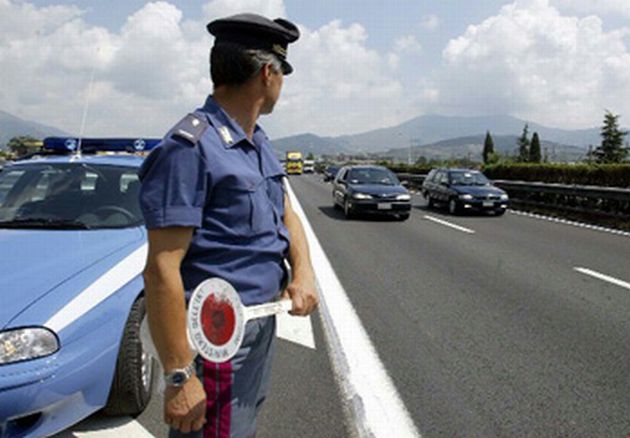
(453,208)
(431,202)
(133,380)
(499,212)
(347,211)
(403,217)
(335,205)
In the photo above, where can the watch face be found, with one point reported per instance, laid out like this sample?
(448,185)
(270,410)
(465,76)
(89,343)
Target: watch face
(178,378)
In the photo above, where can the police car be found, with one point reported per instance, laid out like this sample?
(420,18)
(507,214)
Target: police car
(72,251)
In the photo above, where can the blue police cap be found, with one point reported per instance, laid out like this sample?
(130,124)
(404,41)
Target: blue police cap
(257,32)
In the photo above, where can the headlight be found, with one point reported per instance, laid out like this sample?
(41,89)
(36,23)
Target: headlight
(466,196)
(361,196)
(403,197)
(27,343)
(504,197)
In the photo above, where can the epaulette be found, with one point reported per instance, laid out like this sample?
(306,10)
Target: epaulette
(190,128)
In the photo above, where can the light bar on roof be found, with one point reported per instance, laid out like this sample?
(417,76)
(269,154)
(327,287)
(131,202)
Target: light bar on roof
(90,145)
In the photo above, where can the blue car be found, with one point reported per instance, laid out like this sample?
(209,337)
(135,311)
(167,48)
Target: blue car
(72,250)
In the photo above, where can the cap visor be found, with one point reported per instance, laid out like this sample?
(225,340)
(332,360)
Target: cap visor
(286,68)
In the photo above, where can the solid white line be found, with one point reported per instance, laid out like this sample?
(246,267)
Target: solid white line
(372,397)
(568,222)
(448,224)
(604,277)
(106,285)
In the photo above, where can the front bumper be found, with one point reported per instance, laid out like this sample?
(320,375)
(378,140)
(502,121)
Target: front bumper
(372,206)
(44,396)
(483,205)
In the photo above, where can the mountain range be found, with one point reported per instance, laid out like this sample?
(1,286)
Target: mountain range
(436,136)
(432,136)
(11,126)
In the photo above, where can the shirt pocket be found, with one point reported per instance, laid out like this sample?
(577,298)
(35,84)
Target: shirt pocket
(242,207)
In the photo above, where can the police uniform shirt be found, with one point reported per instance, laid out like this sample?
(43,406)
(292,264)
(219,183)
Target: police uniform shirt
(208,175)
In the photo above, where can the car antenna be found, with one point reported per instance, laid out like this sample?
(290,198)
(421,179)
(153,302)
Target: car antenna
(85,109)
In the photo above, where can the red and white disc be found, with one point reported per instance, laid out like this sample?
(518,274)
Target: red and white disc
(216,321)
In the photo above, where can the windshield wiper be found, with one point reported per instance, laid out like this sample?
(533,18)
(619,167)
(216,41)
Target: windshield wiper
(57,224)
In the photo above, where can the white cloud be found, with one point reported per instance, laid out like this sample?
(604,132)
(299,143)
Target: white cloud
(223,8)
(595,6)
(407,44)
(430,22)
(530,60)
(154,70)
(339,85)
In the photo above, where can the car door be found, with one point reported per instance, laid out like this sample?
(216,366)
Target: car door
(442,186)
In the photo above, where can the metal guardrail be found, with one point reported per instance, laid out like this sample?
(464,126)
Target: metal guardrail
(604,201)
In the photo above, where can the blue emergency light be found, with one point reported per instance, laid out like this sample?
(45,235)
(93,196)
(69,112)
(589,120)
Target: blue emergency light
(93,145)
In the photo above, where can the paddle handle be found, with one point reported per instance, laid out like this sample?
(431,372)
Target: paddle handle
(268,309)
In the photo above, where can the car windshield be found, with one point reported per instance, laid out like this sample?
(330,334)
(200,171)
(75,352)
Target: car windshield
(69,196)
(468,179)
(372,176)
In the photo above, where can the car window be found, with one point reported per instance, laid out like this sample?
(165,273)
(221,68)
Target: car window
(372,176)
(88,195)
(463,178)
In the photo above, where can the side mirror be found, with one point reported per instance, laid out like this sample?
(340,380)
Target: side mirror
(445,184)
(404,183)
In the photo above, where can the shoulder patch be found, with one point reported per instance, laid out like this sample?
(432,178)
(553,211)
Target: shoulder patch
(190,128)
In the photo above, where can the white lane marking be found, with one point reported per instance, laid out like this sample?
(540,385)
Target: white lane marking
(297,329)
(448,224)
(374,402)
(107,427)
(97,292)
(573,223)
(603,277)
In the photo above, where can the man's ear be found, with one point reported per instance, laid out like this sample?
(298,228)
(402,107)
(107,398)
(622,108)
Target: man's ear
(266,71)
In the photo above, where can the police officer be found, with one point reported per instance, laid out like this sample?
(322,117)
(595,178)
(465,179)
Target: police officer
(215,206)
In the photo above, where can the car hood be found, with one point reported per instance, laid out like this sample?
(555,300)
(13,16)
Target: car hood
(32,263)
(378,189)
(478,190)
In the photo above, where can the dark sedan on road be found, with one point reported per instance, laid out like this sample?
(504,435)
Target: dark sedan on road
(330,172)
(370,189)
(463,190)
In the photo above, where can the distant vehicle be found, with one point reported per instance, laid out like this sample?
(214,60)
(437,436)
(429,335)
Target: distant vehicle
(463,190)
(308,166)
(331,172)
(294,163)
(73,247)
(370,189)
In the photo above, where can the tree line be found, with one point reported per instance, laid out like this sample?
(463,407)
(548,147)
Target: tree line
(610,151)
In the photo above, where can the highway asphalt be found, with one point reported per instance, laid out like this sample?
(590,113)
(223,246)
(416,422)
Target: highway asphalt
(489,333)
(487,326)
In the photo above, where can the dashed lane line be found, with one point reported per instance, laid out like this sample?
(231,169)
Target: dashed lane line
(449,224)
(369,392)
(603,277)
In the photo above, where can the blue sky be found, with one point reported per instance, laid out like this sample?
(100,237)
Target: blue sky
(360,65)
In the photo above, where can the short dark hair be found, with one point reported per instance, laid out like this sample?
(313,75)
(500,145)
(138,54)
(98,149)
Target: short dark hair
(233,64)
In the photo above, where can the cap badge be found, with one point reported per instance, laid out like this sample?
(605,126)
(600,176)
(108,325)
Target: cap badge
(225,134)
(277,48)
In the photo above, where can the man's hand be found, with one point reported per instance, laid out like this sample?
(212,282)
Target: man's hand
(185,406)
(304,296)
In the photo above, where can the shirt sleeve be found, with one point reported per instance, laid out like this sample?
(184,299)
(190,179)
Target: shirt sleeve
(174,185)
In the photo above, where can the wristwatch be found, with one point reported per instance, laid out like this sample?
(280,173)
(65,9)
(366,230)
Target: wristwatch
(179,376)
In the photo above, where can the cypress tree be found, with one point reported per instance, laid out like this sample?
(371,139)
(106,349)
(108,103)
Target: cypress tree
(534,150)
(488,148)
(611,150)
(523,145)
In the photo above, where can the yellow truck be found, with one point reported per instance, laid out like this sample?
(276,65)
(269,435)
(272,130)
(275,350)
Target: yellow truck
(294,163)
